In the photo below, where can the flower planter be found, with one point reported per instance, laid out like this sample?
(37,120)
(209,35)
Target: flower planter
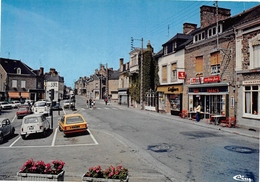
(91,179)
(40,177)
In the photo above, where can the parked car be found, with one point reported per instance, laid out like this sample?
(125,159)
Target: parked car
(5,105)
(15,103)
(68,104)
(6,129)
(22,111)
(41,107)
(34,124)
(73,123)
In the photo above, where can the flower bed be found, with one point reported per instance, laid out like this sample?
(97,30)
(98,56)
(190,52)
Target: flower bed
(37,171)
(110,174)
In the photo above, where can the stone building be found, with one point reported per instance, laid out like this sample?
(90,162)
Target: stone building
(247,36)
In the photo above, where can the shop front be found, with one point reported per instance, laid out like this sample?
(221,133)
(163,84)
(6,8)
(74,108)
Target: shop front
(212,97)
(170,98)
(123,97)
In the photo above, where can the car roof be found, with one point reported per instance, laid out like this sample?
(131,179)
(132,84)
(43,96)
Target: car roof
(71,115)
(34,115)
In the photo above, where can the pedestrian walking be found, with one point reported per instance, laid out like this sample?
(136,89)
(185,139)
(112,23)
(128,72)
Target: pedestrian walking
(90,103)
(198,113)
(106,100)
(87,103)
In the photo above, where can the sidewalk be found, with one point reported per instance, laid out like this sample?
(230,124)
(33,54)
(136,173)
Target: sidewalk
(205,123)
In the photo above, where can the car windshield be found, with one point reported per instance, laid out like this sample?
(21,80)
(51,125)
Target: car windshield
(22,109)
(73,120)
(31,120)
(40,104)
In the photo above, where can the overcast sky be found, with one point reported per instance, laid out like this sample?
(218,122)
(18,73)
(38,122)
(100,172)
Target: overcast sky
(76,36)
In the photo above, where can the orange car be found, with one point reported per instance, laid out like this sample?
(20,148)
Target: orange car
(73,123)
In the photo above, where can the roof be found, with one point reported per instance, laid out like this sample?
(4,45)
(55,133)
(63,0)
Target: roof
(11,65)
(114,75)
(179,36)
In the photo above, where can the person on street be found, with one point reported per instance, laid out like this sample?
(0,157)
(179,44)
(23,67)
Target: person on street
(198,113)
(90,103)
(106,100)
(87,103)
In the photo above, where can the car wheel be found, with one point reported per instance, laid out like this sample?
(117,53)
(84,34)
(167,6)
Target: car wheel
(12,133)
(60,128)
(1,139)
(23,137)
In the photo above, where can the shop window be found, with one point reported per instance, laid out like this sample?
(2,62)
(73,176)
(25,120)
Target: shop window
(215,63)
(251,101)
(199,64)
(175,102)
(174,72)
(164,73)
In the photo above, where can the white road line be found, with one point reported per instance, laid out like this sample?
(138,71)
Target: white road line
(54,137)
(15,141)
(92,137)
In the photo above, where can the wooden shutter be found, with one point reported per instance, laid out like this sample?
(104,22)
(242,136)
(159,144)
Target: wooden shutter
(199,64)
(164,73)
(214,58)
(174,66)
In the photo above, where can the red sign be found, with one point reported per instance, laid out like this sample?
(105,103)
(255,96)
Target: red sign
(211,79)
(181,75)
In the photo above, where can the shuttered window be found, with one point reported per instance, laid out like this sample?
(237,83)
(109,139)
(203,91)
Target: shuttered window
(174,72)
(214,58)
(199,64)
(164,73)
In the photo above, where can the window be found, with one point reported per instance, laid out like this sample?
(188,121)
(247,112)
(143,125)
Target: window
(165,49)
(164,73)
(23,84)
(215,63)
(199,64)
(18,71)
(213,31)
(174,72)
(251,101)
(256,56)
(199,36)
(14,83)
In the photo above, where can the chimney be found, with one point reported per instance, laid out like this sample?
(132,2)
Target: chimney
(149,47)
(188,27)
(41,71)
(121,62)
(208,15)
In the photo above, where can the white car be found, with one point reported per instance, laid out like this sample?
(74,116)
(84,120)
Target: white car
(5,105)
(34,124)
(68,104)
(40,107)
(15,103)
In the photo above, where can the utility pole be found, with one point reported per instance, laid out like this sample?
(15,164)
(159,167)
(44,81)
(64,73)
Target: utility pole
(107,77)
(141,67)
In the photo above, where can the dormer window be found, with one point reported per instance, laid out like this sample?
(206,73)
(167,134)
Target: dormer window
(18,71)
(198,37)
(213,31)
(165,50)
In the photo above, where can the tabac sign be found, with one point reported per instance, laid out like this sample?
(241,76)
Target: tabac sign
(181,75)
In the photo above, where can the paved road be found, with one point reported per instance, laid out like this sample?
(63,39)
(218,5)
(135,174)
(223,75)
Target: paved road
(153,146)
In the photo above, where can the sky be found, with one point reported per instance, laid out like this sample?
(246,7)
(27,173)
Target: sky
(76,36)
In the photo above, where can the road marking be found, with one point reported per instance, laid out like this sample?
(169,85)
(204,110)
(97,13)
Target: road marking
(92,137)
(54,137)
(15,141)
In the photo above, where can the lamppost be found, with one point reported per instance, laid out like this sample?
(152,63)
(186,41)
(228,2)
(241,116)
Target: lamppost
(141,72)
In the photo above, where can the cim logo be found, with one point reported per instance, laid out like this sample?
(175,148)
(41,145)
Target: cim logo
(242,178)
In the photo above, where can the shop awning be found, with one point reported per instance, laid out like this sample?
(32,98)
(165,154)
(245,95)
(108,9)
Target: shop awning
(170,89)
(208,85)
(13,94)
(25,95)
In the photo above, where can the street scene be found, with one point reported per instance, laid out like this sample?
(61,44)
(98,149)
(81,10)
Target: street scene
(158,91)
(153,146)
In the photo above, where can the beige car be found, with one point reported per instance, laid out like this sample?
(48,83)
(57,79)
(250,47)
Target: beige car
(34,124)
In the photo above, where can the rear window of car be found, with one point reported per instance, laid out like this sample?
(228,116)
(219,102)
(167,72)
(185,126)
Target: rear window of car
(31,120)
(40,104)
(22,109)
(73,120)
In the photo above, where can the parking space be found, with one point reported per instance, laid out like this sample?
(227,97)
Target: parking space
(54,138)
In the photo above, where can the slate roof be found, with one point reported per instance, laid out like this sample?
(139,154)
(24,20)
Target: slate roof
(114,75)
(11,65)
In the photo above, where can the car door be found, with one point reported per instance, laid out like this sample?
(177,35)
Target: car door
(5,127)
